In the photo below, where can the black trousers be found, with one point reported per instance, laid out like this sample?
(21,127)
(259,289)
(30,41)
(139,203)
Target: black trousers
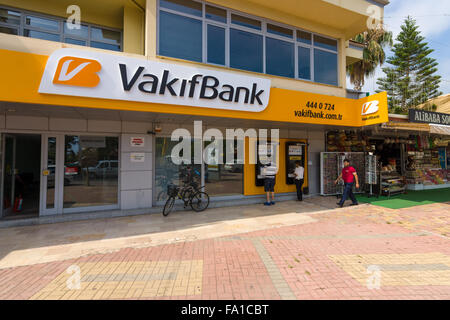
(299,184)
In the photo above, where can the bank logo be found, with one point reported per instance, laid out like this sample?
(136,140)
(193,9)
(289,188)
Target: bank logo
(370,107)
(80,72)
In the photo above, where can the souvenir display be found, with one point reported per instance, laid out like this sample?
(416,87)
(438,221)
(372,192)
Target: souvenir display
(407,162)
(346,141)
(424,167)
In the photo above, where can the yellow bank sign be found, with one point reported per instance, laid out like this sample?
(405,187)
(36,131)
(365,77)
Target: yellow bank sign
(84,78)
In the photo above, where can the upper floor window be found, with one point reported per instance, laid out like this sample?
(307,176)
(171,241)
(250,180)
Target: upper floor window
(198,31)
(39,26)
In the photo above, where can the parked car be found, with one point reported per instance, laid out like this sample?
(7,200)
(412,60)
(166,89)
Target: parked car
(235,168)
(105,168)
(68,176)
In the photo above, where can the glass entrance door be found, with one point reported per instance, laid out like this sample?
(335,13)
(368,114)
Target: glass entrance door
(9,145)
(21,166)
(51,174)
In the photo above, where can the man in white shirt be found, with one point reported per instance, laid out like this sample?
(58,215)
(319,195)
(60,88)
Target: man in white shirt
(299,171)
(269,171)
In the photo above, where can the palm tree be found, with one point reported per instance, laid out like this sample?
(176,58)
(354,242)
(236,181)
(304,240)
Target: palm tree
(374,41)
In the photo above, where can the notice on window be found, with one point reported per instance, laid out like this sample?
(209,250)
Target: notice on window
(295,150)
(137,157)
(92,142)
(137,141)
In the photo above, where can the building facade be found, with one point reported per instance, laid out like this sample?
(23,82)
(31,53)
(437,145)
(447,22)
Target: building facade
(91,94)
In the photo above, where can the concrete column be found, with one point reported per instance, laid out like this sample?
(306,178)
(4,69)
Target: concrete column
(150,28)
(136,172)
(133,29)
(316,140)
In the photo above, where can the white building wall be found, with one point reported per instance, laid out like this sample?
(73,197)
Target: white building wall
(136,177)
(316,140)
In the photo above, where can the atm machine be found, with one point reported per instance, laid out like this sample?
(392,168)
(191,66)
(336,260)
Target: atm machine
(295,151)
(263,152)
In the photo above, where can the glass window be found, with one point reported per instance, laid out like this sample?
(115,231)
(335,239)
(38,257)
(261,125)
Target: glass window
(41,35)
(325,67)
(280,58)
(246,22)
(83,32)
(304,37)
(92,181)
(57,29)
(216,14)
(216,45)
(42,23)
(304,63)
(105,35)
(284,32)
(51,160)
(180,37)
(106,46)
(223,179)
(325,43)
(9,30)
(246,50)
(9,16)
(75,41)
(185,6)
(167,172)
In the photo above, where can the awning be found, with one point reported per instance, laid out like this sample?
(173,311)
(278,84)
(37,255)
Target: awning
(423,127)
(440,129)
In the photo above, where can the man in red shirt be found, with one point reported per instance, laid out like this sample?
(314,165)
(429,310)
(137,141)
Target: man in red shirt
(349,175)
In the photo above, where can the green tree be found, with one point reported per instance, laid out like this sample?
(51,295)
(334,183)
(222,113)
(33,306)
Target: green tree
(410,78)
(374,41)
(387,84)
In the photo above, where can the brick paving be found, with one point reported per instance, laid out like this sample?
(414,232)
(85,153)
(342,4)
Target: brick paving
(363,252)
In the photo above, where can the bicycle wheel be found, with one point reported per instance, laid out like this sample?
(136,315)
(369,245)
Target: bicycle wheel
(168,206)
(200,201)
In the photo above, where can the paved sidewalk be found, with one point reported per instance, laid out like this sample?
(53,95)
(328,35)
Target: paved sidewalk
(286,251)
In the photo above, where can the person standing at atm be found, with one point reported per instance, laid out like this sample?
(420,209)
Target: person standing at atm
(299,172)
(269,171)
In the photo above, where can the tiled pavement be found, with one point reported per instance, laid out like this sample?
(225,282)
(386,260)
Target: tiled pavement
(289,251)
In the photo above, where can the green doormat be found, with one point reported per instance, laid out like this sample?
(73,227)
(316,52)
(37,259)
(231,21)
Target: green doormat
(410,199)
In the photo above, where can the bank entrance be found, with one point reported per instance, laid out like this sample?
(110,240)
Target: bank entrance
(48,174)
(21,166)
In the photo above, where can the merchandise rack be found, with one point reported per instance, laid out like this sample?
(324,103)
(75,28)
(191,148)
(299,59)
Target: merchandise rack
(331,164)
(391,183)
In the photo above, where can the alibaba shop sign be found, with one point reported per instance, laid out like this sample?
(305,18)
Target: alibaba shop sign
(70,76)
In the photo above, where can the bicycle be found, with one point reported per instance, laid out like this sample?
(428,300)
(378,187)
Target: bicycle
(190,194)
(164,181)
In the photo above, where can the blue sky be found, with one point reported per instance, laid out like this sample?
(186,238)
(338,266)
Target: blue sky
(433,19)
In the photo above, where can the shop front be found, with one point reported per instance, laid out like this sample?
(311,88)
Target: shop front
(99,131)
(409,155)
(427,156)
